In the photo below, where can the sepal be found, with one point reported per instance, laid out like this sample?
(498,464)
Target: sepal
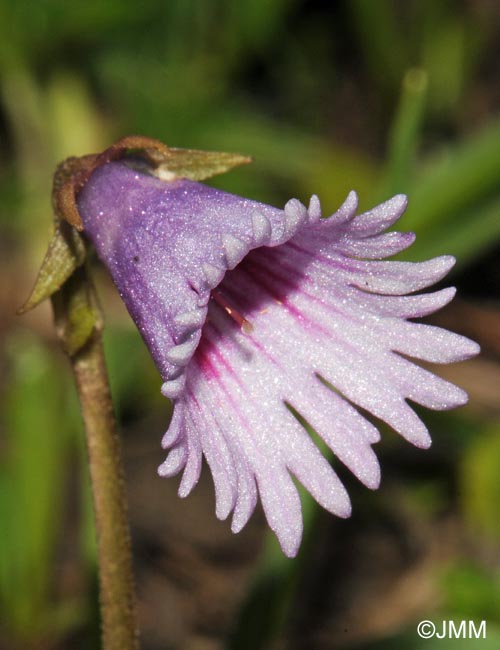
(66,252)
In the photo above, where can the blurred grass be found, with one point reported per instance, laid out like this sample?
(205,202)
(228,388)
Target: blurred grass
(480,483)
(380,97)
(40,414)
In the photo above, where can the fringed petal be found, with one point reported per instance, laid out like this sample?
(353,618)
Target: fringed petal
(262,319)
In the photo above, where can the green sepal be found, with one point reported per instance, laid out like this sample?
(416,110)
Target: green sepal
(76,312)
(193,164)
(66,252)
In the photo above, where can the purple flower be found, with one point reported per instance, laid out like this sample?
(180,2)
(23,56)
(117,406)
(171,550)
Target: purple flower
(254,315)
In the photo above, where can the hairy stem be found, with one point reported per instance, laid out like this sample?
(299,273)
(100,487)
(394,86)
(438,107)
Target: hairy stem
(117,596)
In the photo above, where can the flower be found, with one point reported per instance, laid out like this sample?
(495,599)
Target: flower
(255,315)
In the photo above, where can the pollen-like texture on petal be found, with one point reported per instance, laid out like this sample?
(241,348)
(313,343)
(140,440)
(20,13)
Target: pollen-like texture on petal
(261,320)
(167,245)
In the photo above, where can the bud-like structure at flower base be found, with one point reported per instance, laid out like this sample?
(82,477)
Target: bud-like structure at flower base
(254,315)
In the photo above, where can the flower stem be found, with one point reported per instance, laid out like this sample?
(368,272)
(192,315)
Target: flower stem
(117,596)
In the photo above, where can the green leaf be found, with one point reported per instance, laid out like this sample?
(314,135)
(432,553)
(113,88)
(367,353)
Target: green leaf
(380,37)
(405,131)
(480,483)
(38,418)
(471,591)
(464,235)
(462,176)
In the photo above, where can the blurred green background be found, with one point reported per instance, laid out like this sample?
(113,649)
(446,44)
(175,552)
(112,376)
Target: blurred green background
(377,95)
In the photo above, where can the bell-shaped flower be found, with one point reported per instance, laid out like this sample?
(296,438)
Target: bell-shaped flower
(258,318)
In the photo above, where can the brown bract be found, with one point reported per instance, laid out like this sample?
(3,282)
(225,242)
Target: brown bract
(72,174)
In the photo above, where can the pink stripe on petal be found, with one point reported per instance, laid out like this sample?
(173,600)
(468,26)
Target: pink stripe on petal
(414,339)
(325,305)
(277,491)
